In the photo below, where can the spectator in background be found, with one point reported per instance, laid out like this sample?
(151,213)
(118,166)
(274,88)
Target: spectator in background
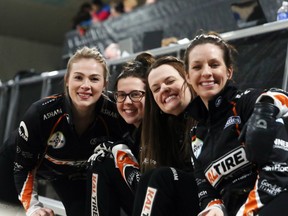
(82,20)
(100,11)
(130,5)
(150,2)
(112,51)
(116,8)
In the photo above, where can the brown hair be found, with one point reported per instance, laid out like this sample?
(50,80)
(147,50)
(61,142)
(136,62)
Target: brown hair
(136,68)
(214,38)
(86,52)
(164,138)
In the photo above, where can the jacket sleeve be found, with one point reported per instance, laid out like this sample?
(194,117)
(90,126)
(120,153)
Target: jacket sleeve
(208,196)
(28,157)
(127,164)
(278,97)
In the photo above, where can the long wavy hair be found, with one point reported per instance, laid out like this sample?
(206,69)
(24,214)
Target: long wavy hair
(165,138)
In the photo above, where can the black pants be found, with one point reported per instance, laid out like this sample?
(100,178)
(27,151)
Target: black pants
(72,193)
(107,191)
(278,206)
(166,191)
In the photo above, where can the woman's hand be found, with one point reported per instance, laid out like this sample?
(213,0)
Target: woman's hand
(214,212)
(43,212)
(100,152)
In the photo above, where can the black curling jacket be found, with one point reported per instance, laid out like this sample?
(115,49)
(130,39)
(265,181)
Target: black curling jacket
(49,147)
(222,172)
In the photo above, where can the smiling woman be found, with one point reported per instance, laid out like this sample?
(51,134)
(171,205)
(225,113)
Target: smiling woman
(165,156)
(58,133)
(117,178)
(234,151)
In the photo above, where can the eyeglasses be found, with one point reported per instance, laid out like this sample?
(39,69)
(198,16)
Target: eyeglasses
(135,96)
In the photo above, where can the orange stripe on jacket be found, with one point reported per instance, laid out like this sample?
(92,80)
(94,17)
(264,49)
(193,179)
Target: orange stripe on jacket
(251,205)
(283,99)
(26,195)
(123,159)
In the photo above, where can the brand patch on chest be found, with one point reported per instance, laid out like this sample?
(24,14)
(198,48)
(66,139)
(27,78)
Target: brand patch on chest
(229,163)
(56,140)
(232,120)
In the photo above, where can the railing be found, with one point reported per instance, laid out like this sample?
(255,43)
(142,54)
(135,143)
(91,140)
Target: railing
(16,95)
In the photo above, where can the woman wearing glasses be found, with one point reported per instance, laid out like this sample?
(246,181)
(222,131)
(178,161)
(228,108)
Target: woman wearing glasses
(112,185)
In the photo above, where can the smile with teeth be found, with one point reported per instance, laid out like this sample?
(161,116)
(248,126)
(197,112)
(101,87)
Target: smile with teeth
(84,95)
(129,111)
(168,99)
(207,83)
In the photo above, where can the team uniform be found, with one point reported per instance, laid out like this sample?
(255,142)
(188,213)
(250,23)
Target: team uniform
(166,190)
(223,173)
(173,186)
(111,183)
(48,147)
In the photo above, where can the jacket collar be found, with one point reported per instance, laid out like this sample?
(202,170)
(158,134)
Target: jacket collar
(198,110)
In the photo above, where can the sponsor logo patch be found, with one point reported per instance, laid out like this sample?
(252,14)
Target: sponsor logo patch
(94,205)
(228,164)
(175,174)
(218,101)
(148,203)
(276,167)
(232,120)
(269,188)
(52,114)
(197,145)
(23,131)
(280,144)
(56,140)
(110,113)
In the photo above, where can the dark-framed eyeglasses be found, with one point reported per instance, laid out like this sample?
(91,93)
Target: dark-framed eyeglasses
(135,96)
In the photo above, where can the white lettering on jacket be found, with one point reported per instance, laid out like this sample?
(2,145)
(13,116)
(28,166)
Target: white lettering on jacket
(269,188)
(226,165)
(94,205)
(276,167)
(148,203)
(52,114)
(281,144)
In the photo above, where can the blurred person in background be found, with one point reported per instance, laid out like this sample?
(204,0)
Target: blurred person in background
(116,8)
(82,20)
(100,11)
